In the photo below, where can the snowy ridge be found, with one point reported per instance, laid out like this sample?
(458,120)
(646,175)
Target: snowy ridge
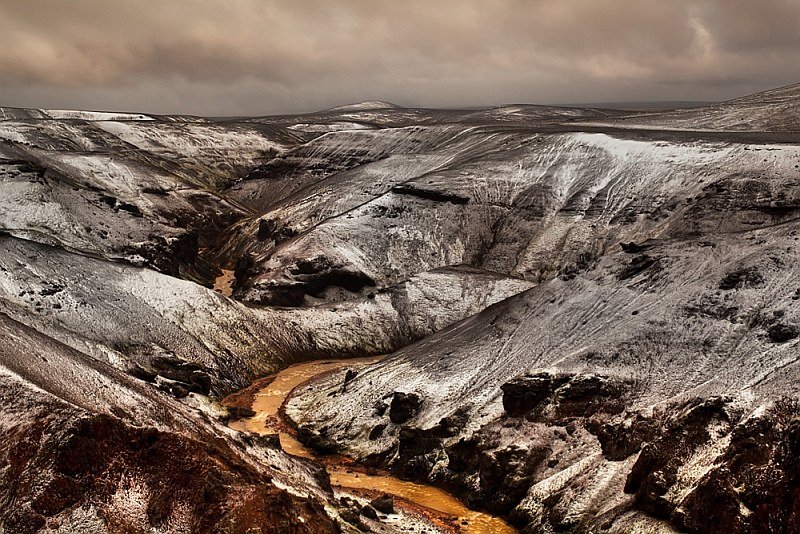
(95,115)
(365,106)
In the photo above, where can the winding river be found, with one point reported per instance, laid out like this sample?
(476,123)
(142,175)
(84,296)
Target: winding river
(267,403)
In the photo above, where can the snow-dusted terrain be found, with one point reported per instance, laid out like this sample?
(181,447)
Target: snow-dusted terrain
(777,110)
(593,316)
(635,375)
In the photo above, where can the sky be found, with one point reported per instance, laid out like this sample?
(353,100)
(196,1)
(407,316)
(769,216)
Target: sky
(258,57)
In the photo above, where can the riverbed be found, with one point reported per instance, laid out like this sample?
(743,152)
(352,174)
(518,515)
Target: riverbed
(224,282)
(267,402)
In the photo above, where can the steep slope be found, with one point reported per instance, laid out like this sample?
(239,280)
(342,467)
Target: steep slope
(216,154)
(662,336)
(181,336)
(119,208)
(88,449)
(523,204)
(114,190)
(330,154)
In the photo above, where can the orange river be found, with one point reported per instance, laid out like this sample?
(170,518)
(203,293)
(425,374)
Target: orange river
(267,405)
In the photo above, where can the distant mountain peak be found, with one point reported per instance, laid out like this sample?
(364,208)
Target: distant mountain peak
(365,106)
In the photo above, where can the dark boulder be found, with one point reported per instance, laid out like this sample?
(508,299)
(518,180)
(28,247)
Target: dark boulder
(633,248)
(404,407)
(369,512)
(741,278)
(383,504)
(781,332)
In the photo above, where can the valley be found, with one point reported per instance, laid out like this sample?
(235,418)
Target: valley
(519,318)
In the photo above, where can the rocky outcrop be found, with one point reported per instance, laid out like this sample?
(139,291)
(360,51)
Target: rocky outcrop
(184,337)
(524,394)
(436,196)
(656,469)
(404,406)
(491,469)
(88,448)
(753,488)
(97,473)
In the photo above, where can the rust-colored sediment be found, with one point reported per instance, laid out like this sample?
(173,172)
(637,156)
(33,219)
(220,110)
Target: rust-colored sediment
(244,398)
(267,399)
(224,282)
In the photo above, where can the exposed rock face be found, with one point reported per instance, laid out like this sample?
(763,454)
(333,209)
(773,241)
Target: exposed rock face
(88,449)
(521,395)
(159,326)
(404,406)
(595,425)
(656,469)
(92,470)
(563,394)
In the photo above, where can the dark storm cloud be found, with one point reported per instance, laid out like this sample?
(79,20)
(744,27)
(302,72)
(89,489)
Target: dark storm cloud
(250,56)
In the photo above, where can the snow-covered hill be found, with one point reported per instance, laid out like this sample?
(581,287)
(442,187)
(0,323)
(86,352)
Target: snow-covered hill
(775,110)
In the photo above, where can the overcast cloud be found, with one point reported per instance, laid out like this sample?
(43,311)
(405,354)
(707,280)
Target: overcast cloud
(246,57)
